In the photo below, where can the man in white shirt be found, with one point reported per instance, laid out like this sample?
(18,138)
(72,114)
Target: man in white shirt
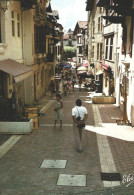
(79,115)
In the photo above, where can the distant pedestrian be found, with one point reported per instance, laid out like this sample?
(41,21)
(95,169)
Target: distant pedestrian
(52,87)
(69,85)
(73,82)
(57,86)
(79,115)
(58,110)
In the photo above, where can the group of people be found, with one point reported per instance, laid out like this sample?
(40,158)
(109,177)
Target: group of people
(79,116)
(62,84)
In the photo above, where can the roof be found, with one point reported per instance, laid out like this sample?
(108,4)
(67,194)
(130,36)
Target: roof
(82,24)
(48,7)
(66,36)
(56,14)
(13,67)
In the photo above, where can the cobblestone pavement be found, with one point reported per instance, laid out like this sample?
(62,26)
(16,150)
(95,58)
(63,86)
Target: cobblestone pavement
(20,172)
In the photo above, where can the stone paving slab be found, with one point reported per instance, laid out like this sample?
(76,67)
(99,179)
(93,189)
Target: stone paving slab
(71,180)
(57,164)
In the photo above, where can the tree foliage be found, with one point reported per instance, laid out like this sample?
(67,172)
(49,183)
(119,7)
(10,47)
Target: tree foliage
(69,52)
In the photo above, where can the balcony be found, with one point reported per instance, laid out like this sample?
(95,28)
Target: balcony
(27,4)
(123,8)
(90,4)
(102,3)
(40,13)
(115,19)
(119,6)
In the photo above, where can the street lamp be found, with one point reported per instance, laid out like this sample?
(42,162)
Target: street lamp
(3,4)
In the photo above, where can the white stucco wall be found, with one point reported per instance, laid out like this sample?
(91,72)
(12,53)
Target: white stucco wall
(12,45)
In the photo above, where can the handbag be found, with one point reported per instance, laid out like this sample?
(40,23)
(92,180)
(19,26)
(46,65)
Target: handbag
(78,119)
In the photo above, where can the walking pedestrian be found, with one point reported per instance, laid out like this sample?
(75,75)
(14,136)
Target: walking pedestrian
(58,110)
(73,82)
(69,85)
(79,115)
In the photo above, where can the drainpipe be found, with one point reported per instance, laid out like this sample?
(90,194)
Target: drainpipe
(116,71)
(22,35)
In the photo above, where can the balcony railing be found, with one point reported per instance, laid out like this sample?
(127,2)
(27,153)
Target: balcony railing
(123,8)
(40,12)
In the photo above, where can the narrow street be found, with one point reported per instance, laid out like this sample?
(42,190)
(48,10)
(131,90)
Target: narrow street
(21,168)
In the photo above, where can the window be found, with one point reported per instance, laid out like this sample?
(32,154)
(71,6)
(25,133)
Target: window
(80,50)
(18,25)
(79,40)
(109,48)
(106,50)
(92,54)
(38,78)
(50,46)
(93,28)
(40,39)
(13,23)
(99,24)
(98,51)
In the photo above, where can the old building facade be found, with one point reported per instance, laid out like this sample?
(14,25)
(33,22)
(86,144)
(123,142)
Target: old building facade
(28,38)
(95,42)
(117,61)
(79,27)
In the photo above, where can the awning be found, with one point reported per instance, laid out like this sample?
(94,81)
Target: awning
(82,68)
(63,64)
(85,63)
(99,72)
(68,66)
(18,70)
(106,67)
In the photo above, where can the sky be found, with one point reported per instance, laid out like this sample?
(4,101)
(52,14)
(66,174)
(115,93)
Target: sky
(70,11)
